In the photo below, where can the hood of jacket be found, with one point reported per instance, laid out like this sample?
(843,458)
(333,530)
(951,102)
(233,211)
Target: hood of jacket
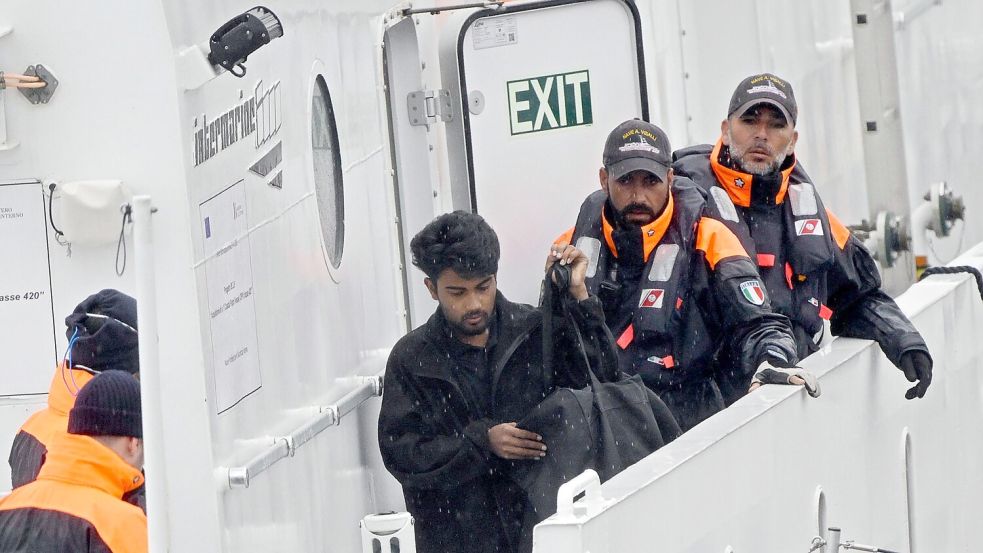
(83,461)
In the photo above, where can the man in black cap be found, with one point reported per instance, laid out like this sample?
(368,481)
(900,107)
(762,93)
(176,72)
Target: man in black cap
(674,283)
(811,266)
(76,504)
(102,336)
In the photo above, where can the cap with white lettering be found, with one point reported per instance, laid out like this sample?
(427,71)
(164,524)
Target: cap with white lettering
(637,145)
(764,88)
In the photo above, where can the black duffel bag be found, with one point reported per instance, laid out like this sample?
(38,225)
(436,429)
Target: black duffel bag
(605,426)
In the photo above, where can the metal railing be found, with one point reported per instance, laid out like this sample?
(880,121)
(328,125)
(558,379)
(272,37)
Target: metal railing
(286,446)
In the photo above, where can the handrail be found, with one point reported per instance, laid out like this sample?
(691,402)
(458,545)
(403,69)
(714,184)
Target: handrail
(286,446)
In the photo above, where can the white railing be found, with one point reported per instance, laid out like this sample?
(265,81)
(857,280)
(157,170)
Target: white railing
(285,446)
(777,469)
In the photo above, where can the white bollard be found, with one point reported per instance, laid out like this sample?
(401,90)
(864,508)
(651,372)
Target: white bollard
(388,533)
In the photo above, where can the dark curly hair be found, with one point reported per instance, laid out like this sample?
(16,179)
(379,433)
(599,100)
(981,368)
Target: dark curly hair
(461,241)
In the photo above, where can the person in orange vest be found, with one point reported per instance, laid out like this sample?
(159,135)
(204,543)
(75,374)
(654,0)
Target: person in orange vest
(812,267)
(76,504)
(102,336)
(675,283)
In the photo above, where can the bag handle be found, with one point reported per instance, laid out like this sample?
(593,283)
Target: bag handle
(555,284)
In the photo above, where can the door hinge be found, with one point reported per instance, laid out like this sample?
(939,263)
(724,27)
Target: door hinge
(426,106)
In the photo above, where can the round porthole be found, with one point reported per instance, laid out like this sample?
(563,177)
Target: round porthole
(328,187)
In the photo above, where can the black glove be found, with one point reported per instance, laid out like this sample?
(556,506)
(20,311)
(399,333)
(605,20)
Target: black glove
(916,364)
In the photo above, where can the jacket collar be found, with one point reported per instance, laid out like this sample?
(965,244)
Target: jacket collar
(511,319)
(82,461)
(738,184)
(652,233)
(65,386)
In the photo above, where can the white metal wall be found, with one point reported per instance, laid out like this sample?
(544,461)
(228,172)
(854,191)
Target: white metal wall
(749,477)
(120,113)
(940,53)
(316,326)
(103,122)
(699,50)
(809,43)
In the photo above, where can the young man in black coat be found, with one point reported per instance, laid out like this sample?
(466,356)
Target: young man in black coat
(448,426)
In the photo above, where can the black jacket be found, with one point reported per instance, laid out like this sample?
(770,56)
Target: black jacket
(434,435)
(813,267)
(677,289)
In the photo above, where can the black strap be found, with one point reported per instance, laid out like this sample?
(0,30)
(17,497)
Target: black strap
(546,311)
(555,287)
(553,295)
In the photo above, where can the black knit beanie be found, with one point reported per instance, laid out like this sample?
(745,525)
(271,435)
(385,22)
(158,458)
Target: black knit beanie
(108,405)
(104,326)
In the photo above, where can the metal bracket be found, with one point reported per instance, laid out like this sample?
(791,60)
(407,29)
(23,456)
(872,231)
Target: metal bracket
(426,106)
(40,95)
(948,207)
(434,10)
(892,238)
(835,544)
(887,238)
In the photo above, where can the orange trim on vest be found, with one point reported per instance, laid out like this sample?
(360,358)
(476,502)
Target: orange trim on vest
(839,231)
(86,479)
(626,337)
(717,241)
(766,260)
(564,238)
(53,421)
(825,313)
(738,184)
(788,275)
(652,233)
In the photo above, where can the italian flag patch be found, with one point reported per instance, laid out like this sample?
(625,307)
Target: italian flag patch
(751,289)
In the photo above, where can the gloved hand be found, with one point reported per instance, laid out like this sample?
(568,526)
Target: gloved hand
(769,372)
(916,365)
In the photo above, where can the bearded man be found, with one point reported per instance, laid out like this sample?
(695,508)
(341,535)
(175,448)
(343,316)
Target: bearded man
(810,264)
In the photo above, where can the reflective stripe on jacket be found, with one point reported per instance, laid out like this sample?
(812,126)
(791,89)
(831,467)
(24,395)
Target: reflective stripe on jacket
(75,504)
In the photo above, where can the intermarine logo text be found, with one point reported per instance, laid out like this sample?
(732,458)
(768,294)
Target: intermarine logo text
(258,114)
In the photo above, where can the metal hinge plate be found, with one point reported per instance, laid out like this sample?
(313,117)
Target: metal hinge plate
(427,106)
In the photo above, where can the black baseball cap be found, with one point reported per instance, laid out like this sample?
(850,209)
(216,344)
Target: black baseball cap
(764,88)
(637,145)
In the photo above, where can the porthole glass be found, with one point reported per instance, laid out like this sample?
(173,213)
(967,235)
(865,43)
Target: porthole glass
(328,186)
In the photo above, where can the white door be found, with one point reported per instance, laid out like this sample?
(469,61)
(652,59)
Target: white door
(411,150)
(539,85)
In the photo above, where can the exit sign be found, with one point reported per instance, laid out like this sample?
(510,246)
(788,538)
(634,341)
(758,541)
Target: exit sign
(550,102)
